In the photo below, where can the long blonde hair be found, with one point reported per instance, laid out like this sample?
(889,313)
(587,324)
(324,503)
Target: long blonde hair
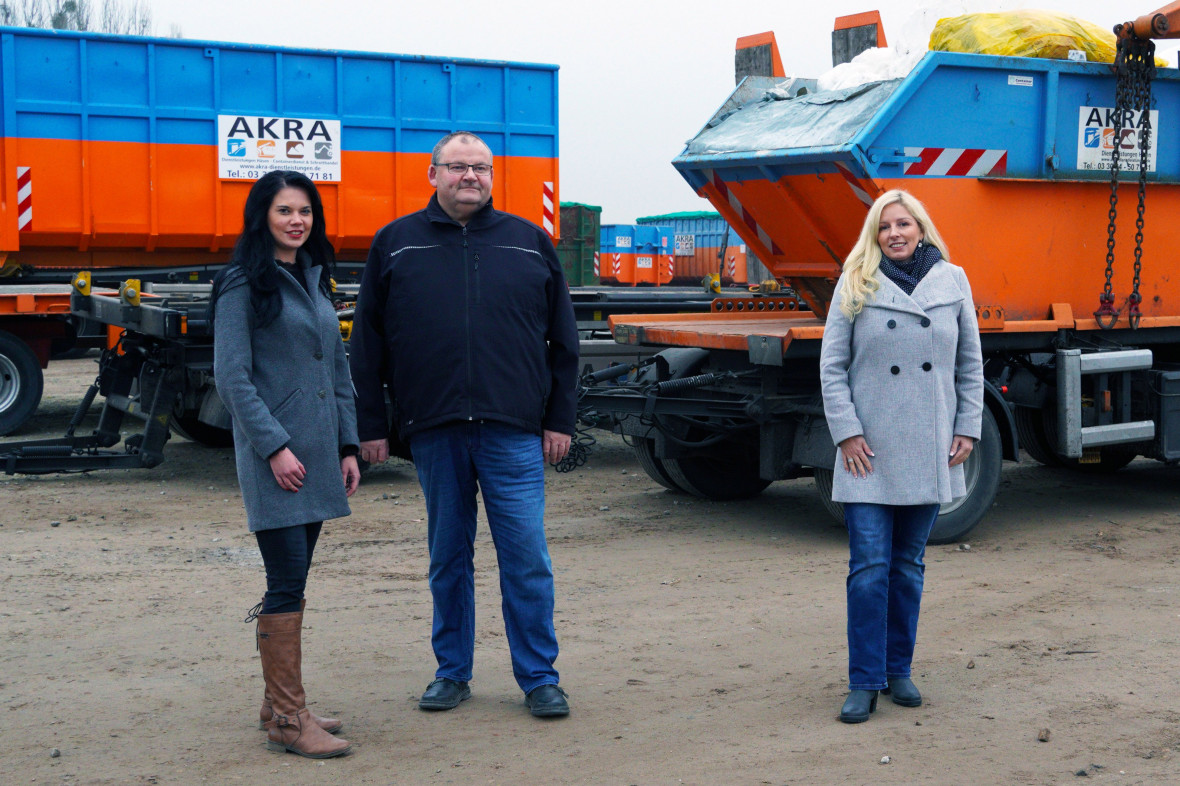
(860,268)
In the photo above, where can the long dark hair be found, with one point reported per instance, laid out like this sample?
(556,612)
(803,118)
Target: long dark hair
(254,252)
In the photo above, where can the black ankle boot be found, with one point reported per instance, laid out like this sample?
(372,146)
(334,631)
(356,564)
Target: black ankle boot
(858,706)
(904,692)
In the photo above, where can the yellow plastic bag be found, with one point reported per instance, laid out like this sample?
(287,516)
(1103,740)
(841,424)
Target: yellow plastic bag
(1025,34)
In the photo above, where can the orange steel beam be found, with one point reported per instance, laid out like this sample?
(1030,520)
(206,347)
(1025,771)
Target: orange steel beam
(863,20)
(732,330)
(764,39)
(1164,23)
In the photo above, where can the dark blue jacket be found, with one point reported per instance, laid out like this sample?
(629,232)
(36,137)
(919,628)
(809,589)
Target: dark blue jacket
(464,323)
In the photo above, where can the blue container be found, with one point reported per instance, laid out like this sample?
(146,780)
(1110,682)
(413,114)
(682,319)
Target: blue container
(144,144)
(1007,153)
(703,244)
(632,254)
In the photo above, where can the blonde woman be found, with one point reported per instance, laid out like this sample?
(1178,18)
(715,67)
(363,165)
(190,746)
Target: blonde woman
(902,378)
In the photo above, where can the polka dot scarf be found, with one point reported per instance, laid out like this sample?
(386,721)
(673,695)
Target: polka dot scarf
(907,274)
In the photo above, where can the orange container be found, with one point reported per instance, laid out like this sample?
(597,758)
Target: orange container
(632,255)
(1015,175)
(135,152)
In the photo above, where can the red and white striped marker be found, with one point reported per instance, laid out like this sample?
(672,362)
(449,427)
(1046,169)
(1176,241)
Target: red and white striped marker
(616,265)
(596,264)
(671,267)
(956,162)
(747,219)
(547,206)
(863,192)
(24,199)
(731,267)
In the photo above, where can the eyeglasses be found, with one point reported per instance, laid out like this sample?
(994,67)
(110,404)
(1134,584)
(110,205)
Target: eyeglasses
(456,168)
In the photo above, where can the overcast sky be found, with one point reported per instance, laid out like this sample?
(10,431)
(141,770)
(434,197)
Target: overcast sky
(637,78)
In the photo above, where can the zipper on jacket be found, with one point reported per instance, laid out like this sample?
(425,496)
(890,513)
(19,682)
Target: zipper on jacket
(467,325)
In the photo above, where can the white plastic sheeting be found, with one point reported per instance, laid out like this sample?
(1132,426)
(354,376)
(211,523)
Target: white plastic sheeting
(777,123)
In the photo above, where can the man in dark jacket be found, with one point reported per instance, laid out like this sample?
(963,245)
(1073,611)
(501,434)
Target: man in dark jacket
(464,314)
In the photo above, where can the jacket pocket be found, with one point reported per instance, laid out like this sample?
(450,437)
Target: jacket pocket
(286,403)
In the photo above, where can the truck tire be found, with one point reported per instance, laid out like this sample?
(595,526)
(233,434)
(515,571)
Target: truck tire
(21,383)
(959,516)
(187,423)
(730,471)
(982,473)
(823,486)
(187,426)
(1030,430)
(645,454)
(1037,430)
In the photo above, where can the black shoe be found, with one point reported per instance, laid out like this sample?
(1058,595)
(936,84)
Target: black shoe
(904,692)
(547,701)
(858,706)
(444,694)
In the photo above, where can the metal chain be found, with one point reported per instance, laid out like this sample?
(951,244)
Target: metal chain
(1143,68)
(1135,68)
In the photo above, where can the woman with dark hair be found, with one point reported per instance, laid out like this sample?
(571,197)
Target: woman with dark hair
(281,370)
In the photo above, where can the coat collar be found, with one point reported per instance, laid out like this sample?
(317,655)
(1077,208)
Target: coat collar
(480,218)
(304,267)
(937,288)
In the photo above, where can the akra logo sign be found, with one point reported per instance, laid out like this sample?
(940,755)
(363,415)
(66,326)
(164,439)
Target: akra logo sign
(1097,140)
(279,128)
(252,145)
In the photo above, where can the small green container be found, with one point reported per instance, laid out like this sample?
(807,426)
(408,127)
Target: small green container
(578,246)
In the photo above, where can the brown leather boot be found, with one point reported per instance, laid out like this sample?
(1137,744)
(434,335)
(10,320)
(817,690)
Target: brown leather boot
(290,727)
(266,712)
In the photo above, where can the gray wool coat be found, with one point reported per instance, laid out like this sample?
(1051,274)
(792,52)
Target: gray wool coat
(907,374)
(285,384)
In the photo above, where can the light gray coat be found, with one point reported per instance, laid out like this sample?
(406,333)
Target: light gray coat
(876,383)
(285,384)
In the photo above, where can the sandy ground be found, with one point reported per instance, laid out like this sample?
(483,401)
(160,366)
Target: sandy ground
(702,643)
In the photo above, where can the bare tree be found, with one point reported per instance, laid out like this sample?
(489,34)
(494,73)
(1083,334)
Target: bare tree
(35,13)
(125,17)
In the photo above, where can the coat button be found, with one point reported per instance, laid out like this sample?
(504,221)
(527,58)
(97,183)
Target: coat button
(891,324)
(925,321)
(926,366)
(894,370)
(318,355)
(323,394)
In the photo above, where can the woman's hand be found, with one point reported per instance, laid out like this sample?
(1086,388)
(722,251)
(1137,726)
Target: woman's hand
(352,474)
(288,470)
(856,454)
(961,448)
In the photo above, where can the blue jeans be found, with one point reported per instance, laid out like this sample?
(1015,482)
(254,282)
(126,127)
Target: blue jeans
(286,552)
(885,575)
(507,467)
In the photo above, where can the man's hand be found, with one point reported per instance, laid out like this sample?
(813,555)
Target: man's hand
(554,445)
(375,451)
(288,470)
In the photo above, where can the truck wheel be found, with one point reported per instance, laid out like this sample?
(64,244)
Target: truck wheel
(1030,430)
(645,454)
(21,383)
(1041,425)
(187,426)
(823,486)
(730,471)
(187,423)
(957,517)
(982,473)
